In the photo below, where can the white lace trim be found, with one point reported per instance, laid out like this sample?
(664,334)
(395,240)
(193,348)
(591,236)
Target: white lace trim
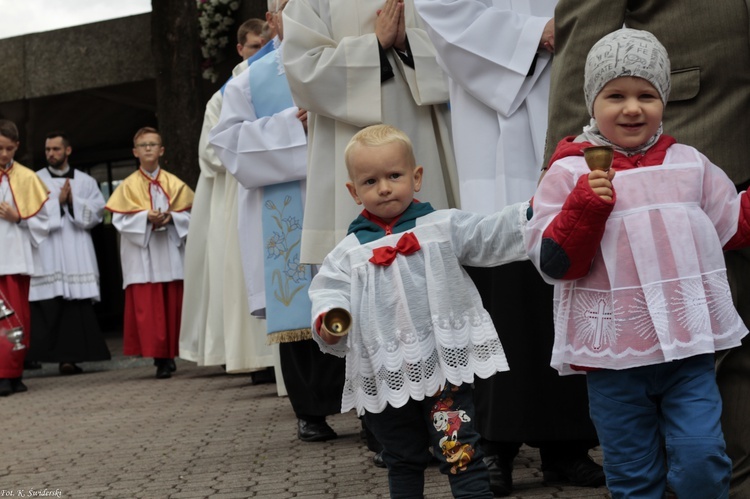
(417,364)
(660,322)
(46,280)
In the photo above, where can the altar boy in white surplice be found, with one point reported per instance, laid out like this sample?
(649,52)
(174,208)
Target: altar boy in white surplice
(24,224)
(642,301)
(151,210)
(419,332)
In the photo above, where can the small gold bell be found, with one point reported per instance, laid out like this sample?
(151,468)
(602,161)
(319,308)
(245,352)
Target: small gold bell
(599,157)
(337,322)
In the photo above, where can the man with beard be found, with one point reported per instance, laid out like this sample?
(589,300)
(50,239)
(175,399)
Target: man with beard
(65,283)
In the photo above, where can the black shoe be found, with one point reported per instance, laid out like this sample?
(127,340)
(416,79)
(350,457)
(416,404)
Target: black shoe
(5,387)
(172,365)
(68,368)
(31,365)
(17,386)
(582,472)
(313,431)
(377,460)
(162,369)
(501,475)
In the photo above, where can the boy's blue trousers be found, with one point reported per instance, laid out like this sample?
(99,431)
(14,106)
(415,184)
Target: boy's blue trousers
(640,413)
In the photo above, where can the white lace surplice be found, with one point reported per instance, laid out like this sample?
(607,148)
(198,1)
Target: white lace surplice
(657,290)
(65,263)
(419,321)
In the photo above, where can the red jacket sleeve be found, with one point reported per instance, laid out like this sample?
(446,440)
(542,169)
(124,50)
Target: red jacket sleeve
(741,238)
(571,240)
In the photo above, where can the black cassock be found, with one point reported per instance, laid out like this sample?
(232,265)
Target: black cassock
(531,403)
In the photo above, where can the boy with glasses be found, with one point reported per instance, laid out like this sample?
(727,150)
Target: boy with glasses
(151,210)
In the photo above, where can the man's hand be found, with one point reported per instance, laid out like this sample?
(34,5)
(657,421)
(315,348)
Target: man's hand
(7,212)
(387,24)
(548,37)
(66,194)
(400,43)
(302,117)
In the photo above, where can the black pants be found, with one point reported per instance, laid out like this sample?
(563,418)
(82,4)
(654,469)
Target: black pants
(313,379)
(445,422)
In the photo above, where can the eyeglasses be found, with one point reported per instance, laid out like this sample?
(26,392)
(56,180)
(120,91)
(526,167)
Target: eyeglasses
(147,145)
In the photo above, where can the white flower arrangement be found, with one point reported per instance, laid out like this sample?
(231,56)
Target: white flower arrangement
(214,18)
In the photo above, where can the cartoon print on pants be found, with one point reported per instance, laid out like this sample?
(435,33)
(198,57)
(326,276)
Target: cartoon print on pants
(447,420)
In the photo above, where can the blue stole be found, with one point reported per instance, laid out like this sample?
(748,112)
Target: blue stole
(288,305)
(264,50)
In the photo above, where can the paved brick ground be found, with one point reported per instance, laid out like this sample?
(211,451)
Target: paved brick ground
(117,432)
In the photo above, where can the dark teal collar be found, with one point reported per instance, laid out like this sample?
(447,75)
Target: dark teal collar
(367,227)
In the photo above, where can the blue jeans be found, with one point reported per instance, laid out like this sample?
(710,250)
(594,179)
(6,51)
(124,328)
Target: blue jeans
(642,411)
(445,422)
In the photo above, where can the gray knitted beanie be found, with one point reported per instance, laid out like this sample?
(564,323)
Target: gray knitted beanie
(626,52)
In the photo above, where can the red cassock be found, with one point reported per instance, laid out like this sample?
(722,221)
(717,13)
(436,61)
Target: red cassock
(15,289)
(152,319)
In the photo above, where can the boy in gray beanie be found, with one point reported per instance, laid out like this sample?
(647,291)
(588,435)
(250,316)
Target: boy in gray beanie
(641,293)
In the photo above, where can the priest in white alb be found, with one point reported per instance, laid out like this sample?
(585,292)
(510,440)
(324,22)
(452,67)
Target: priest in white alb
(261,139)
(216,328)
(357,63)
(65,284)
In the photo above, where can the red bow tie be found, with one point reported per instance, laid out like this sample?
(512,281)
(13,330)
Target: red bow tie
(385,255)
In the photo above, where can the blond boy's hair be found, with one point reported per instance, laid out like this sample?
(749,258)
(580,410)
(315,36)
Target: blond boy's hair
(144,131)
(379,135)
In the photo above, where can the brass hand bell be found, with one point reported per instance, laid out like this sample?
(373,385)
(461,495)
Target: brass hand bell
(599,157)
(337,322)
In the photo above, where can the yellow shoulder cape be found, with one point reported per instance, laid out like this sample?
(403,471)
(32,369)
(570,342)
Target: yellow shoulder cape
(28,190)
(133,194)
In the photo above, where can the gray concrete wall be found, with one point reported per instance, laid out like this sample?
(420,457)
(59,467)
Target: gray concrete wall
(79,58)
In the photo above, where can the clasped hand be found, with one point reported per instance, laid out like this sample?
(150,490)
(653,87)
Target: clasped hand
(7,212)
(159,218)
(390,25)
(66,194)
